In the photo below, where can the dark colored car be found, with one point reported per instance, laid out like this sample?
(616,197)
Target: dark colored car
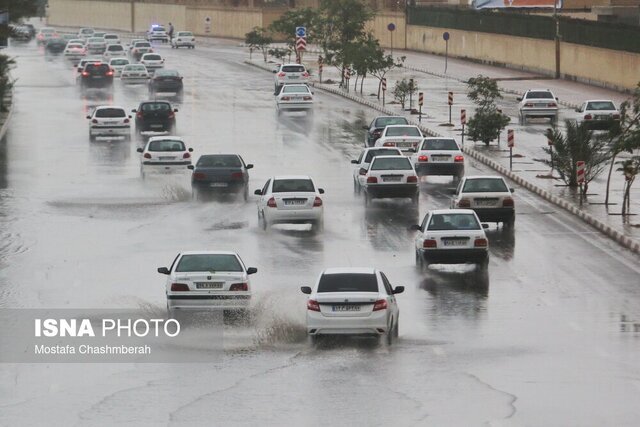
(155,116)
(374,130)
(32,30)
(55,46)
(97,75)
(166,81)
(224,173)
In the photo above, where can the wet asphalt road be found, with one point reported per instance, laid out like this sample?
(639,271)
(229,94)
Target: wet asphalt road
(552,341)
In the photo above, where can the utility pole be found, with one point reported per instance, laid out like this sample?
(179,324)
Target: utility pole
(557,37)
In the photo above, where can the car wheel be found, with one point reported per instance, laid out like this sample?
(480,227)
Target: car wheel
(356,187)
(483,266)
(396,328)
(92,137)
(390,333)
(262,222)
(313,339)
(318,225)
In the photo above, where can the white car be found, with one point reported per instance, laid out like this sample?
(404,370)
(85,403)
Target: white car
(74,51)
(110,39)
(183,39)
(140,48)
(163,155)
(82,42)
(290,200)
(85,33)
(114,51)
(117,65)
(157,32)
(132,43)
(294,97)
(598,114)
(96,45)
(390,177)
(152,61)
(439,156)
(489,196)
(451,236)
(134,73)
(290,73)
(405,137)
(538,103)
(352,301)
(363,161)
(109,121)
(208,280)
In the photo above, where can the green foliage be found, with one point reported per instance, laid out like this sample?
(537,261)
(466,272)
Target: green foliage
(258,39)
(280,53)
(403,89)
(6,65)
(287,23)
(483,91)
(487,122)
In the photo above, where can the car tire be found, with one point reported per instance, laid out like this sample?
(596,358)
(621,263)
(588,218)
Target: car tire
(356,187)
(262,222)
(318,226)
(245,194)
(314,339)
(390,334)
(483,266)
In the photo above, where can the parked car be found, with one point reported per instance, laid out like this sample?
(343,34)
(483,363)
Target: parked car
(164,155)
(155,116)
(109,121)
(290,73)
(220,173)
(538,103)
(294,97)
(439,156)
(183,39)
(352,301)
(390,177)
(363,161)
(374,130)
(598,114)
(489,196)
(166,81)
(405,137)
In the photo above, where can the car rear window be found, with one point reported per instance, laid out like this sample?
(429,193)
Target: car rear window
(115,48)
(152,57)
(166,145)
(158,28)
(440,144)
(110,112)
(111,36)
(295,89)
(95,69)
(222,161)
(403,131)
(293,68)
(142,44)
(74,46)
(454,221)
(208,262)
(293,185)
(539,94)
(167,73)
(185,33)
(348,282)
(485,185)
(381,152)
(139,68)
(96,40)
(156,106)
(119,61)
(600,105)
(386,121)
(391,163)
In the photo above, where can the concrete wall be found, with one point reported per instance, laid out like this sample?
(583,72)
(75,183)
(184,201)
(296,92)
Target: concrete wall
(99,14)
(146,14)
(224,22)
(379,28)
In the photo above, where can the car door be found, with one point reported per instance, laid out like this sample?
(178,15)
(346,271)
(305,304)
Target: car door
(264,197)
(420,235)
(456,196)
(356,171)
(391,298)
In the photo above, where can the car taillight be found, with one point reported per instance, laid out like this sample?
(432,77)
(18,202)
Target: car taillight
(139,114)
(317,202)
(389,144)
(528,104)
(552,105)
(480,243)
(199,176)
(412,178)
(381,304)
(147,156)
(305,74)
(237,175)
(372,180)
(615,116)
(429,243)
(313,305)
(281,74)
(423,158)
(239,287)
(171,115)
(186,155)
(507,202)
(285,98)
(272,203)
(306,98)
(126,120)
(458,159)
(179,287)
(464,203)
(588,117)
(94,121)
(85,74)
(109,73)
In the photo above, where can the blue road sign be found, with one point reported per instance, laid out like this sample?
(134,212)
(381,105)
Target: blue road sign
(445,35)
(391,26)
(301,31)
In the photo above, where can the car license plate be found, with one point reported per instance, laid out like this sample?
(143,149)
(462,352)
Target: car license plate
(166,157)
(293,77)
(156,126)
(405,144)
(440,158)
(209,285)
(218,184)
(601,117)
(342,308)
(454,242)
(391,178)
(486,202)
(110,123)
(294,202)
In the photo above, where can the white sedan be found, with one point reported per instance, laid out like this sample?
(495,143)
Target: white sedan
(134,73)
(152,61)
(405,137)
(290,200)
(114,51)
(439,156)
(489,196)
(598,114)
(363,161)
(352,301)
(109,121)
(451,236)
(538,104)
(74,51)
(390,177)
(164,154)
(117,65)
(208,280)
(183,39)
(294,97)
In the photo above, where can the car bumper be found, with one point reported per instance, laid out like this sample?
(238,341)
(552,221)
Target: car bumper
(218,187)
(293,216)
(456,169)
(494,214)
(538,112)
(600,124)
(454,256)
(167,88)
(164,167)
(374,324)
(183,43)
(391,190)
(194,301)
(134,80)
(295,106)
(110,130)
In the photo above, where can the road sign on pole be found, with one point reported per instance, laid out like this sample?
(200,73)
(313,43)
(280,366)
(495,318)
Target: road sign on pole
(550,144)
(446,37)
(391,27)
(463,121)
(320,64)
(580,172)
(301,32)
(207,24)
(510,142)
(384,89)
(420,104)
(450,101)
(411,89)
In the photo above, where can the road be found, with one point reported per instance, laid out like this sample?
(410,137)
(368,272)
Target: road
(553,340)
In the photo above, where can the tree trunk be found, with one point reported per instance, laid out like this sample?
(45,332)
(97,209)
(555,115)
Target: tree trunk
(625,198)
(362,82)
(379,88)
(606,193)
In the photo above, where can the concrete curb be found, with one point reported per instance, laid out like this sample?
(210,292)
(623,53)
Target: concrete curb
(617,236)
(5,125)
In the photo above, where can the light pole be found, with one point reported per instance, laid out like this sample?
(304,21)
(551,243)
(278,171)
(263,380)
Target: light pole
(557,37)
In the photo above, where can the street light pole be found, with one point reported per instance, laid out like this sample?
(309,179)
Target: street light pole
(557,37)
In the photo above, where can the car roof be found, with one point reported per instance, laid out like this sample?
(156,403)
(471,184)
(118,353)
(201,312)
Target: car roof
(450,211)
(438,138)
(101,107)
(166,138)
(291,63)
(152,102)
(483,176)
(538,90)
(208,253)
(600,100)
(279,177)
(366,150)
(401,126)
(391,156)
(352,270)
(219,154)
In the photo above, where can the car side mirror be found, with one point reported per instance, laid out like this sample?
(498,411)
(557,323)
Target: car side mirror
(274,71)
(519,98)
(363,171)
(139,150)
(191,167)
(163,270)
(512,189)
(133,111)
(355,162)
(557,99)
(252,270)
(415,227)
(191,150)
(453,191)
(88,117)
(398,290)
(258,192)
(249,166)
(485,226)
(305,289)
(129,116)
(365,127)
(321,190)
(175,110)
(79,70)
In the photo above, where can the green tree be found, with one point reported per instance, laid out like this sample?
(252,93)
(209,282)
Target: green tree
(578,144)
(287,23)
(487,122)
(381,64)
(402,90)
(6,65)
(258,39)
(630,169)
(279,53)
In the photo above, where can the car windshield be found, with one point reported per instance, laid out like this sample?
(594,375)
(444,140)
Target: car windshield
(453,221)
(111,36)
(391,163)
(157,28)
(152,57)
(142,44)
(86,31)
(166,145)
(167,73)
(386,121)
(219,161)
(293,68)
(96,40)
(381,152)
(440,144)
(600,105)
(539,94)
(348,282)
(209,262)
(138,68)
(110,112)
(185,33)
(403,131)
(293,185)
(115,48)
(156,106)
(295,89)
(119,61)
(485,185)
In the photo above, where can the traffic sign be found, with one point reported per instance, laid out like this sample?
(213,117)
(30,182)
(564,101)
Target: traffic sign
(450,98)
(510,138)
(301,43)
(207,20)
(580,171)
(463,117)
(445,35)
(346,73)
(391,26)
(301,32)
(207,24)
(384,84)
(420,99)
